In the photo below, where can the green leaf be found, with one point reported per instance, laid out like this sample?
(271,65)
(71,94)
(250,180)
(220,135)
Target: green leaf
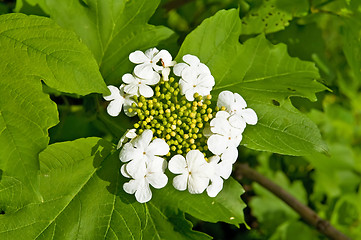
(35,48)
(31,6)
(295,230)
(59,58)
(267,16)
(352,49)
(266,76)
(111,29)
(26,113)
(83,199)
(227,206)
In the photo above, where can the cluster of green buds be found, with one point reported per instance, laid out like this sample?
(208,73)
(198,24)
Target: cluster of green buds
(173,118)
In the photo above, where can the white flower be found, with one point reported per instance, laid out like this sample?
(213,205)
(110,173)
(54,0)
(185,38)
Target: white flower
(139,86)
(225,138)
(151,173)
(192,64)
(142,150)
(193,83)
(152,61)
(236,106)
(129,134)
(218,170)
(192,170)
(117,99)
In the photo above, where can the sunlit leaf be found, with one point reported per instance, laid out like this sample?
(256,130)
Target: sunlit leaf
(83,198)
(266,76)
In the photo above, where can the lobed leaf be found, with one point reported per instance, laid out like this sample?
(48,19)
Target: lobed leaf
(266,76)
(267,16)
(111,29)
(57,55)
(82,199)
(227,206)
(34,48)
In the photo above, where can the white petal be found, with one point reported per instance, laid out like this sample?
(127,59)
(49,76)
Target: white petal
(237,121)
(143,193)
(214,159)
(131,89)
(215,187)
(158,147)
(131,186)
(190,74)
(154,79)
(151,52)
(203,91)
(206,80)
(124,172)
(115,107)
(236,137)
(114,93)
(225,99)
(222,114)
(230,155)
(185,86)
(195,159)
(165,74)
(146,91)
(157,165)
(220,126)
(128,153)
(190,95)
(129,134)
(191,59)
(158,180)
(249,115)
(239,102)
(138,57)
(225,169)
(178,68)
(143,140)
(177,164)
(136,168)
(144,70)
(197,184)
(180,182)
(203,68)
(216,144)
(128,78)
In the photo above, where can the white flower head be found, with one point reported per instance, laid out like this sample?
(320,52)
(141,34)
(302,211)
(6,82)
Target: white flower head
(196,77)
(142,150)
(218,170)
(129,134)
(152,61)
(225,138)
(150,173)
(236,106)
(117,99)
(192,83)
(139,86)
(192,64)
(193,172)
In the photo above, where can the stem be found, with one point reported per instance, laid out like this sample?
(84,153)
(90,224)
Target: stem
(323,226)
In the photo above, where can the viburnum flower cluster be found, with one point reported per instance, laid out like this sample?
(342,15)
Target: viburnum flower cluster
(177,126)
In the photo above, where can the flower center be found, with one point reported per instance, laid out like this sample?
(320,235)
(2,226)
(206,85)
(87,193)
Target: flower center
(173,118)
